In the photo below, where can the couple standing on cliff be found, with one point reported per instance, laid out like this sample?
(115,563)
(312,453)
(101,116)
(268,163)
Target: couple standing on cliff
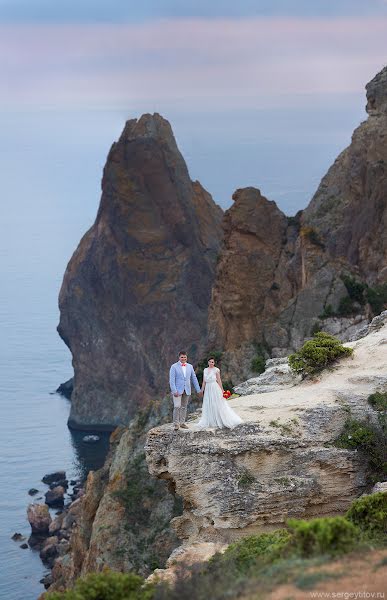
(216,411)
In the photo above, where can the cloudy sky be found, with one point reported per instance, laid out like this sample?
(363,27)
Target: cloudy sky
(258,92)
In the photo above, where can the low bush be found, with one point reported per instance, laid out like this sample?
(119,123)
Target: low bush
(378,401)
(355,288)
(369,439)
(329,535)
(258,364)
(369,513)
(267,546)
(317,353)
(107,585)
(377,298)
(346,307)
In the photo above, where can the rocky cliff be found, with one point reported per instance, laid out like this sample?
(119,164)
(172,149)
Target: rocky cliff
(137,288)
(279,278)
(158,271)
(283,461)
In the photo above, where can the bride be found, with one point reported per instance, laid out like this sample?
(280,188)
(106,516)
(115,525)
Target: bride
(216,410)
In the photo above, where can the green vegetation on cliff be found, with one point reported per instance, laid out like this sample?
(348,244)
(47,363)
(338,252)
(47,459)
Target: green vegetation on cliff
(258,562)
(317,353)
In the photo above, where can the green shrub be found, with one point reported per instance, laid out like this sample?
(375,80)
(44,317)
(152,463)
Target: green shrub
(317,353)
(346,307)
(267,546)
(355,289)
(107,585)
(378,401)
(329,535)
(369,513)
(377,298)
(258,364)
(369,439)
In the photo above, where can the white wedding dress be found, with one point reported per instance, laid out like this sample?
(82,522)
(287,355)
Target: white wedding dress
(216,410)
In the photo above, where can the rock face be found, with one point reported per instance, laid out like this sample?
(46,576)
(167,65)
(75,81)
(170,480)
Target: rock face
(122,522)
(277,375)
(352,197)
(282,461)
(279,279)
(137,288)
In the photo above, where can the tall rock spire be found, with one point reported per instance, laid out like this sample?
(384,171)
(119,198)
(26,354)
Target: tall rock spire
(138,286)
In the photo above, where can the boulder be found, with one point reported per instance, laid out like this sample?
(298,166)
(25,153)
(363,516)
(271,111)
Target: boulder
(55,497)
(39,518)
(55,476)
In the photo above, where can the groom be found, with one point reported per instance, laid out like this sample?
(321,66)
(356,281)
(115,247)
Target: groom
(180,376)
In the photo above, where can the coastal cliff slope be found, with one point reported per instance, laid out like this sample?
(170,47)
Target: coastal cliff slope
(283,461)
(278,279)
(138,286)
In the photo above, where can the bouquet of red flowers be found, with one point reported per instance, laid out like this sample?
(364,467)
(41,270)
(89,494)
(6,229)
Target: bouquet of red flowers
(226,394)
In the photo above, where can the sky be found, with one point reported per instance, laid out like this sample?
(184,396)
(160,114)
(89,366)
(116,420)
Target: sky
(262,93)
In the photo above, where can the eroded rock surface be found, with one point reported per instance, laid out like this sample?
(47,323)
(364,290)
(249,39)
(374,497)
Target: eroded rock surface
(279,279)
(281,462)
(150,254)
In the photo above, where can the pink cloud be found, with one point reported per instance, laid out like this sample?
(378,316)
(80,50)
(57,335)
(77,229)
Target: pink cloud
(196,62)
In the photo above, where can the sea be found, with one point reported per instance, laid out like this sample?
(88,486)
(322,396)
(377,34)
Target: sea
(51,165)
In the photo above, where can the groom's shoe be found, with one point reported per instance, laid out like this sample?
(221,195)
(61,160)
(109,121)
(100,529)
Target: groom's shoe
(176,427)
(184,426)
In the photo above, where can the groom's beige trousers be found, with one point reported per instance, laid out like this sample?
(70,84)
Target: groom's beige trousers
(180,404)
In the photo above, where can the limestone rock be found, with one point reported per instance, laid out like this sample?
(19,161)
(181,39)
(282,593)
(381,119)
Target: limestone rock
(151,252)
(39,518)
(277,375)
(103,534)
(281,462)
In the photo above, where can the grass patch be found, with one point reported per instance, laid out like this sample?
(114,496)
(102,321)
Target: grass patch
(318,353)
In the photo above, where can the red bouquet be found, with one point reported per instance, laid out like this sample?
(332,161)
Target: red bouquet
(226,394)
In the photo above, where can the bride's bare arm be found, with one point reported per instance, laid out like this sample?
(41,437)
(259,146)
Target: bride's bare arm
(218,379)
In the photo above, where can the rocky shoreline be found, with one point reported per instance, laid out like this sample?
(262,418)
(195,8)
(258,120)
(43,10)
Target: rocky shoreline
(51,531)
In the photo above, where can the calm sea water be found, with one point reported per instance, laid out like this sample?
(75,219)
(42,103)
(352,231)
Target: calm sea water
(51,166)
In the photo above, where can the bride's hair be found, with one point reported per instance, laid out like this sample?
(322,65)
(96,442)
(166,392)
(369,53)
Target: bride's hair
(210,358)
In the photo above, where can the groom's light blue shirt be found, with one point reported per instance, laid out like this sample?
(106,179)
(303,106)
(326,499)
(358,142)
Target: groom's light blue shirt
(179,383)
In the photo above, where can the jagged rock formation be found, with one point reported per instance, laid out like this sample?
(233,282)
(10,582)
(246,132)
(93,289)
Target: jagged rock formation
(137,288)
(277,374)
(122,522)
(276,277)
(281,462)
